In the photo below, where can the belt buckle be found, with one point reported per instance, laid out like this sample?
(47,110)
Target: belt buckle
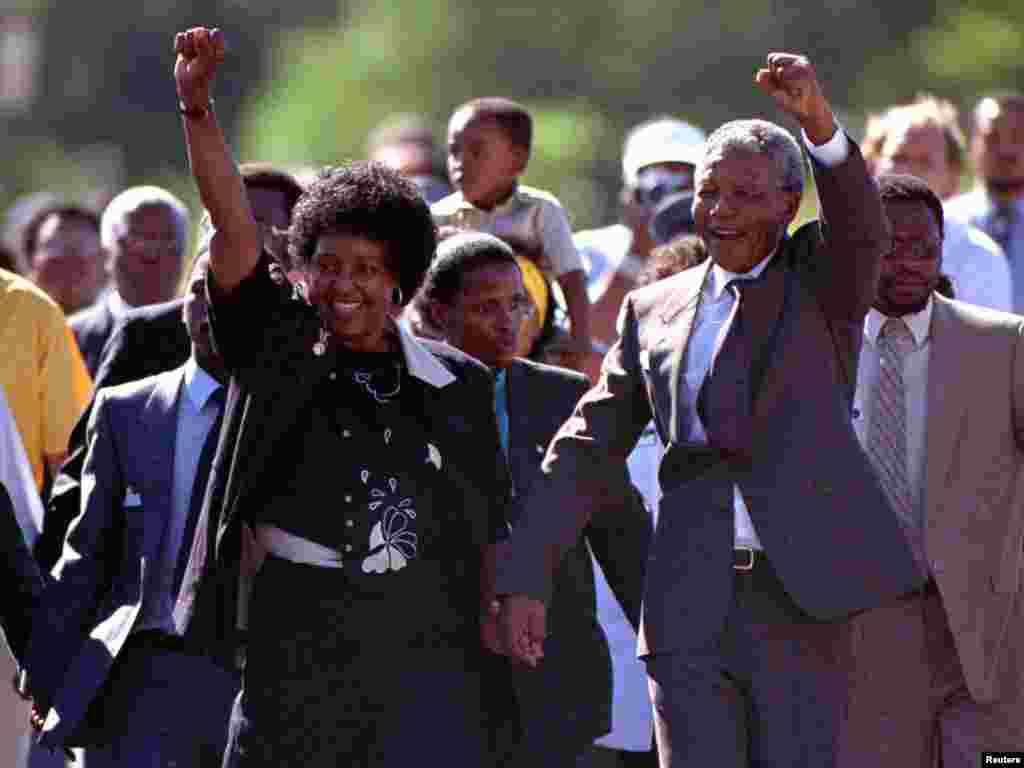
(749,565)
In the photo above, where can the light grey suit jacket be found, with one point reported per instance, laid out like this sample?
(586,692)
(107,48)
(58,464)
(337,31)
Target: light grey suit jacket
(974,490)
(814,500)
(92,602)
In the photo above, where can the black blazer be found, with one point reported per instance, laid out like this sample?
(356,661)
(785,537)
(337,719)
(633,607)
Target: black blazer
(146,341)
(569,695)
(20,580)
(92,327)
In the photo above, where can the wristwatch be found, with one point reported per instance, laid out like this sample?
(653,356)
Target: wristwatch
(195,113)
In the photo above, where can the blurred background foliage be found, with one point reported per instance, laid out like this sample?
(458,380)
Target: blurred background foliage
(87,102)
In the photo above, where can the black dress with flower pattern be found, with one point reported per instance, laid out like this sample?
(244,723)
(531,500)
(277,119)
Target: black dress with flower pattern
(377,662)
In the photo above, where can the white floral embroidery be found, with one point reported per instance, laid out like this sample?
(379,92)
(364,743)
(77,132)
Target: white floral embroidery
(433,455)
(393,543)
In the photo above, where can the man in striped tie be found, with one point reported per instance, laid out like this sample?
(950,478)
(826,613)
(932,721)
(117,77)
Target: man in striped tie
(940,413)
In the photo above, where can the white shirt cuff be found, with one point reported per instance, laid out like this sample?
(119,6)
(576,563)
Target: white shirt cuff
(833,152)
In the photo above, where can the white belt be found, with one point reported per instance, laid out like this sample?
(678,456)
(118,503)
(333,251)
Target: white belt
(288,546)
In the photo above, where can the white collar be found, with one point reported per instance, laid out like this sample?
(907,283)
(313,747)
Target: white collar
(420,362)
(199,385)
(919,324)
(719,278)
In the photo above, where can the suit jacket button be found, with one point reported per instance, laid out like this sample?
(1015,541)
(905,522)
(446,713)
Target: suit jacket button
(348,547)
(349,523)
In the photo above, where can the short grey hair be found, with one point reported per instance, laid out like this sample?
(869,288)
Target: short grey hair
(131,200)
(763,137)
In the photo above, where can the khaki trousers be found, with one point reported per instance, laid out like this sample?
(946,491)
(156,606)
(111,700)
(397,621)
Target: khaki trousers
(908,704)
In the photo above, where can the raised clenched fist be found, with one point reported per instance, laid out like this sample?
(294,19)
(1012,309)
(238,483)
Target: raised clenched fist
(199,52)
(790,80)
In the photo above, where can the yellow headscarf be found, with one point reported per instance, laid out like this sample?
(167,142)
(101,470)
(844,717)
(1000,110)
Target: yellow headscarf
(536,286)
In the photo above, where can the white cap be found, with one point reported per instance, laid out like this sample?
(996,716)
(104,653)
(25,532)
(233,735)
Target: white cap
(665,140)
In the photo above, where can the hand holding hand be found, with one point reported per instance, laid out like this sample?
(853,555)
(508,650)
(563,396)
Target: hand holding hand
(790,80)
(199,52)
(521,628)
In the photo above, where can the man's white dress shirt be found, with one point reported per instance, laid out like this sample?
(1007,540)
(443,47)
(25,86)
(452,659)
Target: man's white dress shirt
(977,208)
(17,478)
(196,416)
(915,388)
(977,266)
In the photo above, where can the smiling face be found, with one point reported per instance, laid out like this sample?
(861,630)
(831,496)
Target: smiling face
(910,272)
(352,286)
(483,162)
(740,207)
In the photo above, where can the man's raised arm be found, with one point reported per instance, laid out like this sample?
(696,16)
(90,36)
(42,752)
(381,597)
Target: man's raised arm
(235,248)
(853,222)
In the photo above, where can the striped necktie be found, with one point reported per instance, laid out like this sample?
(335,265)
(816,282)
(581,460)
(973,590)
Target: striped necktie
(887,426)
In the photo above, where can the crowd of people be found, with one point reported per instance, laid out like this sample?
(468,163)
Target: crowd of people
(407,470)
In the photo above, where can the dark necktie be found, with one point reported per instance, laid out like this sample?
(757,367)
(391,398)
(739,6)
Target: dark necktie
(501,408)
(725,400)
(1000,226)
(192,555)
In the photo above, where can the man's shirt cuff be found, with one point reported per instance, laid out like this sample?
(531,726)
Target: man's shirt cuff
(833,152)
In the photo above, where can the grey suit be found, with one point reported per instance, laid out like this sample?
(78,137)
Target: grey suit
(77,659)
(818,509)
(146,341)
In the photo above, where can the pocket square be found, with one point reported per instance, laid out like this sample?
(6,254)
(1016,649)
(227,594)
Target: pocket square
(132,498)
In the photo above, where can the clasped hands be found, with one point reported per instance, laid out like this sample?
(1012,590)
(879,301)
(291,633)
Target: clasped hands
(515,627)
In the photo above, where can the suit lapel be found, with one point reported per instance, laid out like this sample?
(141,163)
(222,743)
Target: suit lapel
(762,307)
(160,436)
(677,320)
(515,389)
(947,395)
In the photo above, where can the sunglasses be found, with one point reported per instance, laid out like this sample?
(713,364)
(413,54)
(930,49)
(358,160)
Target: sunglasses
(655,184)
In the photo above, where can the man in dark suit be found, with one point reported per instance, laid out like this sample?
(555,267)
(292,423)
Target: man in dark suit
(152,339)
(773,527)
(144,232)
(474,291)
(110,661)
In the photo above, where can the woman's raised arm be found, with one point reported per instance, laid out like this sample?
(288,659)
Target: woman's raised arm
(235,248)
